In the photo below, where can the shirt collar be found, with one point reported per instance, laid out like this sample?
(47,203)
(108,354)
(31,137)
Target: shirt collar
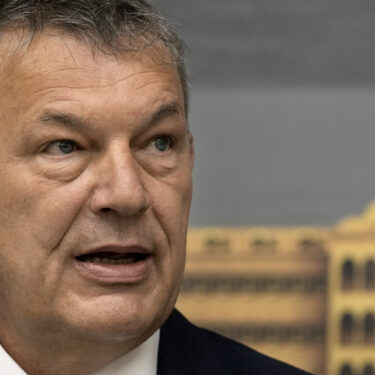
(141,360)
(8,365)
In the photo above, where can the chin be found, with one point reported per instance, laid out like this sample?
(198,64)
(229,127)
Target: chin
(116,320)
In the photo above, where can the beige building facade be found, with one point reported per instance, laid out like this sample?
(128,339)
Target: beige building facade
(303,294)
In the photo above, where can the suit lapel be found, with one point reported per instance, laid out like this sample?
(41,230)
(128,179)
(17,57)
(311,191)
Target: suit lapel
(186,350)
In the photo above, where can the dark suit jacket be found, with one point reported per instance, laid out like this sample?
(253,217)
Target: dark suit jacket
(185,349)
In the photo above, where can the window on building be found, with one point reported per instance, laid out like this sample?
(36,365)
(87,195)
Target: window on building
(369,328)
(347,274)
(370,274)
(346,370)
(214,244)
(346,328)
(368,370)
(313,245)
(263,245)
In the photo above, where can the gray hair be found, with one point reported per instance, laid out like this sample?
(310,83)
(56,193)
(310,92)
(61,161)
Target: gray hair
(111,26)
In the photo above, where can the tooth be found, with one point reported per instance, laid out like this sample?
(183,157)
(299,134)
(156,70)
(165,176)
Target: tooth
(94,259)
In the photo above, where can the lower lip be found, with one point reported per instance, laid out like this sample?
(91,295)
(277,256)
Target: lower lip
(132,273)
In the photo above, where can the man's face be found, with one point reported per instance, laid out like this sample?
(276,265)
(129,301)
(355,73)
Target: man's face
(95,190)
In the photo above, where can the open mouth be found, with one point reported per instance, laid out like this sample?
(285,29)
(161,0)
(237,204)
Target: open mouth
(112,258)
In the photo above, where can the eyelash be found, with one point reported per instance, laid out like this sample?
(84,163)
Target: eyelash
(171,140)
(171,144)
(49,145)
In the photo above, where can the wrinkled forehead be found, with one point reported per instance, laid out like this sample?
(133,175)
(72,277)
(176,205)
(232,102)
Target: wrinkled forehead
(23,58)
(58,71)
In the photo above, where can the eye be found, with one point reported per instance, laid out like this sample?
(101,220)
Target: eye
(163,143)
(63,146)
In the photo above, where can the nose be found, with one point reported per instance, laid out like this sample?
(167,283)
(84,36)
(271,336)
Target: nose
(119,187)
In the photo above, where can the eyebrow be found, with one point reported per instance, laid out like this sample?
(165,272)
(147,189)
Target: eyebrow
(69,120)
(73,121)
(165,111)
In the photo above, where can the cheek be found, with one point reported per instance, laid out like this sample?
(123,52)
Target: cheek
(55,212)
(16,202)
(35,211)
(171,205)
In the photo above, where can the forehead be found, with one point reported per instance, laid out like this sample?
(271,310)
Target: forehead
(53,59)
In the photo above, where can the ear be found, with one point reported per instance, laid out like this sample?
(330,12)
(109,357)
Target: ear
(191,149)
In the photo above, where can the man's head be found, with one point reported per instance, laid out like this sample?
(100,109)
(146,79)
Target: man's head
(95,176)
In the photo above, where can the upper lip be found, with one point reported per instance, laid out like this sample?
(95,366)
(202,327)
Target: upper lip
(119,249)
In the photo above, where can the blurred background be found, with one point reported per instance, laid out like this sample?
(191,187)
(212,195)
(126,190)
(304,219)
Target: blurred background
(282,108)
(283,115)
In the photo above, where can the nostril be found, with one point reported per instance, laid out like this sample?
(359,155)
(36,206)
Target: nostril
(105,209)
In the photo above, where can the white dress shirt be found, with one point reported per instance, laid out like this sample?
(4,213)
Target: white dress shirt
(142,360)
